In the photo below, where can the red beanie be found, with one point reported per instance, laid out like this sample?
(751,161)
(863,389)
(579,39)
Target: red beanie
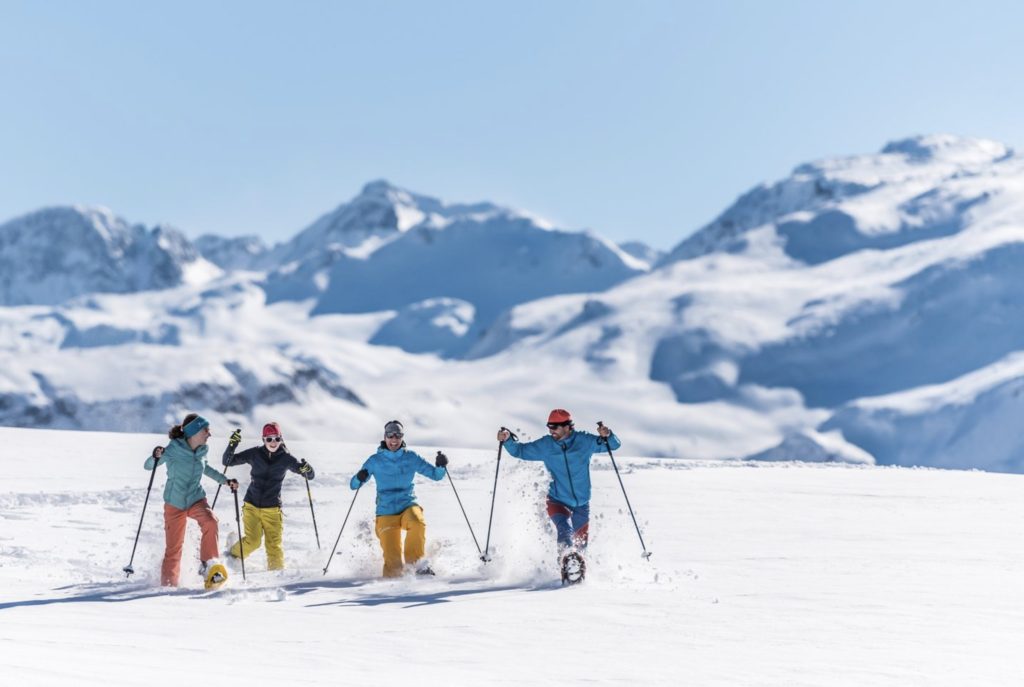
(271,429)
(559,415)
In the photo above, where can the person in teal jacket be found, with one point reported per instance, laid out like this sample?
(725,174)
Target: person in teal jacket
(394,467)
(566,454)
(185,458)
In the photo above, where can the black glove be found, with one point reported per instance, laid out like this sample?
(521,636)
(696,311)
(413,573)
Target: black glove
(157,452)
(304,467)
(232,484)
(362,475)
(441,460)
(235,439)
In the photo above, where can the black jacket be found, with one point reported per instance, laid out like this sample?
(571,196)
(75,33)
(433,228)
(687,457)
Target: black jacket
(267,472)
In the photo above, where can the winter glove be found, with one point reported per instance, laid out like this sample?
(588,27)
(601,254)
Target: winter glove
(441,460)
(158,451)
(235,439)
(363,475)
(232,484)
(305,468)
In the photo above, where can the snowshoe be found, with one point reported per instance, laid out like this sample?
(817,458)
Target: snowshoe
(425,570)
(574,568)
(215,576)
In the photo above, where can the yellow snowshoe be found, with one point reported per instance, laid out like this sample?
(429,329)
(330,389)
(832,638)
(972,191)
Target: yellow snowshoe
(215,577)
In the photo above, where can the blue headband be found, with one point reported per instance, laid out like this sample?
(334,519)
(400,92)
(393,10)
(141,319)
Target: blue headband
(198,424)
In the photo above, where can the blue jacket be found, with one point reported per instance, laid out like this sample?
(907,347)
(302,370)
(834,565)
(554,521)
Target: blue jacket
(568,462)
(185,468)
(394,472)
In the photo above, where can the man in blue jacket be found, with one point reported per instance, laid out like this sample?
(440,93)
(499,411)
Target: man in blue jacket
(394,467)
(566,454)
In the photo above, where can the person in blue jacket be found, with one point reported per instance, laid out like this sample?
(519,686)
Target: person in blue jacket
(566,454)
(394,467)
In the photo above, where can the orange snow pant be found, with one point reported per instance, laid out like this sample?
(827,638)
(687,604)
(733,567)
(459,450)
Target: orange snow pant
(260,522)
(389,531)
(175,520)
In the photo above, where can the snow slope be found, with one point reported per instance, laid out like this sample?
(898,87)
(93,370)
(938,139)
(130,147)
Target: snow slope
(772,574)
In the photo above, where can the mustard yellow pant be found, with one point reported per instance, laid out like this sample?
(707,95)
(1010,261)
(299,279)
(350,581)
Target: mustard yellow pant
(389,531)
(260,523)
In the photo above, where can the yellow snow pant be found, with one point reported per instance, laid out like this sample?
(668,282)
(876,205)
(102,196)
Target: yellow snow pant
(260,522)
(389,531)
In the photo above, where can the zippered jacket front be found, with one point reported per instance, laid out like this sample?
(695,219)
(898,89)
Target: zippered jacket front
(266,474)
(185,469)
(567,461)
(394,472)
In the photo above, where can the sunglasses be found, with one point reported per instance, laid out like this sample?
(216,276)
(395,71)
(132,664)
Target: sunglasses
(393,435)
(555,425)
(271,440)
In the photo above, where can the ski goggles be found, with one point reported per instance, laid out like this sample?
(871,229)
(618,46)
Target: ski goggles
(556,425)
(393,435)
(272,440)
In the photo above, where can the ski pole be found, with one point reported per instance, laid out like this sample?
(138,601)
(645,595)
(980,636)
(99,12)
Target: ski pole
(331,557)
(487,547)
(128,569)
(217,494)
(241,542)
(646,554)
(462,509)
(313,513)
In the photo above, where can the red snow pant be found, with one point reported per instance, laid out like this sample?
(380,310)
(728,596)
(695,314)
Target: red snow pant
(175,520)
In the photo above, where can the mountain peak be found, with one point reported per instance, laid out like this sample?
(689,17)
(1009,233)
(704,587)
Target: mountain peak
(833,202)
(949,148)
(378,187)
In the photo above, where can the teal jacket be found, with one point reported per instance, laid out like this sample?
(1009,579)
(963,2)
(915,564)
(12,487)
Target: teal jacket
(394,471)
(185,468)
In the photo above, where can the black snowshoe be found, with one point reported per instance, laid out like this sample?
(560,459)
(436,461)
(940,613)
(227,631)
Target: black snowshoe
(574,568)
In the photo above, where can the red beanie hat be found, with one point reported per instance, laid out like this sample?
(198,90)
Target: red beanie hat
(271,429)
(559,415)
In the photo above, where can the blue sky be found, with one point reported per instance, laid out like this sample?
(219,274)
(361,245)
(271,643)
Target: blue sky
(638,120)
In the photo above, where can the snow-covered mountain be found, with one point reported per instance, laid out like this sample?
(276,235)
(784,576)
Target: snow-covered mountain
(54,254)
(390,249)
(492,264)
(239,253)
(855,278)
(865,308)
(648,255)
(832,207)
(380,213)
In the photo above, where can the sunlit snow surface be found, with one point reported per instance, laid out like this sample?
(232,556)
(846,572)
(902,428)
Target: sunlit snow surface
(762,574)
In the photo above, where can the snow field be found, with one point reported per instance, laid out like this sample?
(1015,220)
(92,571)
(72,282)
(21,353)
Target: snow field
(763,574)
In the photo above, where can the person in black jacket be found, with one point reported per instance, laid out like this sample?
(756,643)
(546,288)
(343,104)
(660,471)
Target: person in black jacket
(261,512)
